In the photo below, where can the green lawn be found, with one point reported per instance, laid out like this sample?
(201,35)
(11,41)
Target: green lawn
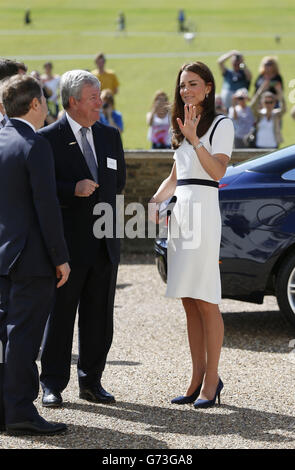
(62,29)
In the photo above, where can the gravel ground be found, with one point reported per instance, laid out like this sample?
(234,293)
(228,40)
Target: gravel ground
(149,364)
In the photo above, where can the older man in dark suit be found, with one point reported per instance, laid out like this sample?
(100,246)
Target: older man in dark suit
(90,168)
(33,253)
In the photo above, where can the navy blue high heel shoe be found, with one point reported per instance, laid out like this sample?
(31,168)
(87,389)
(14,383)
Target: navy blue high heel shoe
(200,403)
(184,400)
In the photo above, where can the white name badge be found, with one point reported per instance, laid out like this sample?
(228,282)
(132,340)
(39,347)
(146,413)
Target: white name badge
(112,163)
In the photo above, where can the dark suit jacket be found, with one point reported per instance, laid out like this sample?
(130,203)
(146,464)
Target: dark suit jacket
(31,231)
(71,167)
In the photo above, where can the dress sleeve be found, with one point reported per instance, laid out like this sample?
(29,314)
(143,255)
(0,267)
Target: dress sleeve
(223,138)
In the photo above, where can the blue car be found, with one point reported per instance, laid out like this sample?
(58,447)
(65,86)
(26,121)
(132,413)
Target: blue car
(257,252)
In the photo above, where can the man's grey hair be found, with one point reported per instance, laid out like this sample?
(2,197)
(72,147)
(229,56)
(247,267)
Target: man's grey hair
(72,82)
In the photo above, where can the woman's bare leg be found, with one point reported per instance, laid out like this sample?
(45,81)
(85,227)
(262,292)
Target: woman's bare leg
(214,332)
(197,344)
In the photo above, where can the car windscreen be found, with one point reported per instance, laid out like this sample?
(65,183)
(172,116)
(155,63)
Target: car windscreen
(275,162)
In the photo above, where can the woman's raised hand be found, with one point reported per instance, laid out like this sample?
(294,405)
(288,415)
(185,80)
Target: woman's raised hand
(191,121)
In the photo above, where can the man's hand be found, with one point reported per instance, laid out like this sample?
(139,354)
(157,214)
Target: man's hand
(62,273)
(85,188)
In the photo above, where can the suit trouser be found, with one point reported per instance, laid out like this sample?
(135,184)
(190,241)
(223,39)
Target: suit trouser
(91,290)
(3,340)
(24,308)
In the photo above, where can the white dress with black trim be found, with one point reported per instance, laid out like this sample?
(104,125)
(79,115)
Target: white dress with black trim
(195,224)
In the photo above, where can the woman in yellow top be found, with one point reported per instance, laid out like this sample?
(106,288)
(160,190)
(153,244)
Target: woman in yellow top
(107,78)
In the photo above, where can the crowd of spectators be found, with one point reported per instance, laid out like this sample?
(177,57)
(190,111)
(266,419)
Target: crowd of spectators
(257,119)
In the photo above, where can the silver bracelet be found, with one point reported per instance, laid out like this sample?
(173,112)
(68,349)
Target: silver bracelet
(196,147)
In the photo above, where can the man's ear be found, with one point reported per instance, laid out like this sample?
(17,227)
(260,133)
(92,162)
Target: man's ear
(72,102)
(35,103)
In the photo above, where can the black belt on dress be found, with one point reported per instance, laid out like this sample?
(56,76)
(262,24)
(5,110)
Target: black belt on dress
(201,182)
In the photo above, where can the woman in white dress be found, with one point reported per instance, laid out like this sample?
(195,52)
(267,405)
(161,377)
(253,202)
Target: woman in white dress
(203,148)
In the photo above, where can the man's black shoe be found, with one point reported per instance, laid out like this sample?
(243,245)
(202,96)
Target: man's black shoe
(96,394)
(39,426)
(51,399)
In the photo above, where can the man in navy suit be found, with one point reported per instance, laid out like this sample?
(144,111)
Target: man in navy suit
(33,253)
(90,168)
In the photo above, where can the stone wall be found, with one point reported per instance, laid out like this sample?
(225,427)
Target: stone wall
(146,169)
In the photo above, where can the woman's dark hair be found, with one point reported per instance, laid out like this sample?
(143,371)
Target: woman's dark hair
(208,113)
(18,93)
(9,67)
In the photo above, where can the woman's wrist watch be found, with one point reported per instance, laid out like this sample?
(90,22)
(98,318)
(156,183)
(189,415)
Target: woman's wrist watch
(199,145)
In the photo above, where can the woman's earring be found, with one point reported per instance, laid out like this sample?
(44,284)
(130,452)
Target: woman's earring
(207,94)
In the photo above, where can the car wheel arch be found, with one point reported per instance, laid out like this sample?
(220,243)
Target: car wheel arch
(276,267)
(284,285)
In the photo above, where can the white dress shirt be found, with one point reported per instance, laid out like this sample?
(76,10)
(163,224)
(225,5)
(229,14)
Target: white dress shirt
(75,126)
